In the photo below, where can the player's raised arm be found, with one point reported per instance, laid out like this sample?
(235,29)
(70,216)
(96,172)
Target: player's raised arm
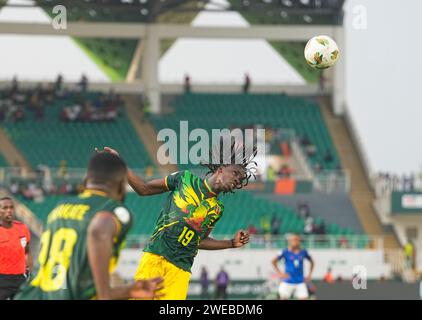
(139,185)
(240,239)
(101,231)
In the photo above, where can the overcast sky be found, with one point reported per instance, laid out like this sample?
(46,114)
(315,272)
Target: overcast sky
(384,86)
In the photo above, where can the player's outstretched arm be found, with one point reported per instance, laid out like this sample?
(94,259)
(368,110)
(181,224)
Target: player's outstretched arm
(240,239)
(101,232)
(141,187)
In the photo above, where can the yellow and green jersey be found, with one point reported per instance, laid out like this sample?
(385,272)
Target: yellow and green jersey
(190,211)
(63,271)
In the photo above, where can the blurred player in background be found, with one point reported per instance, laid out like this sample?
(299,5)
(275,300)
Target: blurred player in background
(15,253)
(293,280)
(83,239)
(190,213)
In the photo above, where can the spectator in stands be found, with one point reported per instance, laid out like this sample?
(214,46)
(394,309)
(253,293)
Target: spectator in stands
(149,172)
(328,277)
(265,226)
(320,229)
(303,209)
(71,113)
(275,225)
(221,283)
(204,284)
(14,188)
(285,172)
(304,141)
(111,113)
(39,112)
(83,83)
(2,112)
(328,157)
(310,150)
(58,84)
(252,229)
(309,225)
(19,114)
(409,254)
(62,172)
(318,167)
(187,84)
(343,242)
(247,83)
(271,173)
(412,179)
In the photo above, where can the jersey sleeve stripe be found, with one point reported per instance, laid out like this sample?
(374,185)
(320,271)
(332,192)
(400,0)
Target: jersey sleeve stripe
(165,183)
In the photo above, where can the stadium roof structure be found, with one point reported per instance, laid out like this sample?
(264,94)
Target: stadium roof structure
(290,12)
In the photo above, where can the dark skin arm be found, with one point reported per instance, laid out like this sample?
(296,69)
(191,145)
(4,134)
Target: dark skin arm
(139,185)
(240,239)
(28,259)
(281,274)
(101,231)
(309,276)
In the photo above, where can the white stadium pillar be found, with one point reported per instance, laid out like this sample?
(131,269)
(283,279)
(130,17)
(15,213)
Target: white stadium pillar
(339,70)
(150,60)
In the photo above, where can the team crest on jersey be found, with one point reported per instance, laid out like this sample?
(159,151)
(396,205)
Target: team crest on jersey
(23,242)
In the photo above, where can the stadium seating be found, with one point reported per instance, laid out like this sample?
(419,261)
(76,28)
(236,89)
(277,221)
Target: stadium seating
(210,111)
(74,142)
(241,210)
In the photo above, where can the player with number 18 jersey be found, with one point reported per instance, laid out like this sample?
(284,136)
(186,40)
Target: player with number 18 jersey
(62,271)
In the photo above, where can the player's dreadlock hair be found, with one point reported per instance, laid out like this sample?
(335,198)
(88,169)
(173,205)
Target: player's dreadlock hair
(239,154)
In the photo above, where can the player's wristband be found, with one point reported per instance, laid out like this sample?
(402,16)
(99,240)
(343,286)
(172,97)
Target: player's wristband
(232,240)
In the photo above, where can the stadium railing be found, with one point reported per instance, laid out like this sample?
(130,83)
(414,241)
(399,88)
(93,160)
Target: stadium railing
(280,241)
(327,181)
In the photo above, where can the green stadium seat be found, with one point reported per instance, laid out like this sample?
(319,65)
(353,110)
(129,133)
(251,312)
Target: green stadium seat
(207,111)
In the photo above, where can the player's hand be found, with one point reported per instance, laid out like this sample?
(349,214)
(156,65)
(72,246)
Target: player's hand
(307,279)
(147,289)
(109,150)
(240,238)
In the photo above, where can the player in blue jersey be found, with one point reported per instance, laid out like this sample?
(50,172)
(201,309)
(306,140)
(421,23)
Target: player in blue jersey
(293,281)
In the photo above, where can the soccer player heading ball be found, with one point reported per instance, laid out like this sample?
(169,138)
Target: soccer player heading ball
(191,211)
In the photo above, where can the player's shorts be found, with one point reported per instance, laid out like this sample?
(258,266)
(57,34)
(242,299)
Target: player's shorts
(176,280)
(297,290)
(9,285)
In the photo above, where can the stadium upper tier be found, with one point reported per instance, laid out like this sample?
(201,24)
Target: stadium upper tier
(50,140)
(276,12)
(241,210)
(217,111)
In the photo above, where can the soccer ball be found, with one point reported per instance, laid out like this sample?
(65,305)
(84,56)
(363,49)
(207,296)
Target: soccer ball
(321,52)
